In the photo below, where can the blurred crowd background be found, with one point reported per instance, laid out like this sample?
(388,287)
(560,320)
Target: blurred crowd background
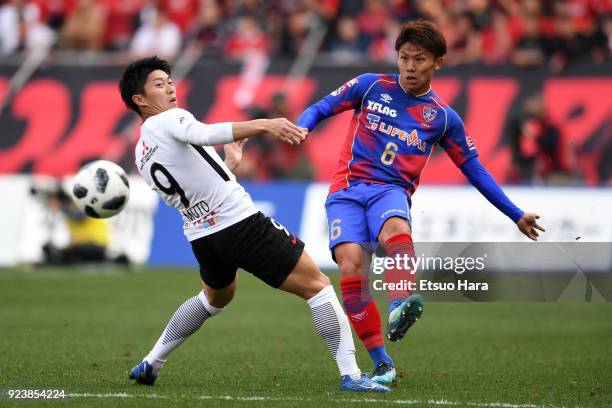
(537,40)
(553,34)
(521,32)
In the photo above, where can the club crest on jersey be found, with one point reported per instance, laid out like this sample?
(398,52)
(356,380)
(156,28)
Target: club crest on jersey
(386,98)
(429,113)
(345,86)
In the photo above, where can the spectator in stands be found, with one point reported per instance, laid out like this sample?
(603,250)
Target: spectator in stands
(84,27)
(382,49)
(604,168)
(267,160)
(157,35)
(540,151)
(120,25)
(182,12)
(373,19)
(207,29)
(247,38)
(596,41)
(349,45)
(467,43)
(496,38)
(287,162)
(607,30)
(88,237)
(531,46)
(294,33)
(21,28)
(567,43)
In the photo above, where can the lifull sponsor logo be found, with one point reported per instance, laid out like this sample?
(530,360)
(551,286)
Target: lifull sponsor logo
(411,139)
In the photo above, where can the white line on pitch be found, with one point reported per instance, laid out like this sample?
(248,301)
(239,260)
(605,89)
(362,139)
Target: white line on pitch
(441,402)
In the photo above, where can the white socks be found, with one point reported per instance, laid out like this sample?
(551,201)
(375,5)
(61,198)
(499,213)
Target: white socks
(329,320)
(332,324)
(187,319)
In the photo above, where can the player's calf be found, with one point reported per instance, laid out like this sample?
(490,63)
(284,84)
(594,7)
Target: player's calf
(187,319)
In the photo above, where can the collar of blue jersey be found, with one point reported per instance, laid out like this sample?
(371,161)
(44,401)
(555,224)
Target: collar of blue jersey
(416,96)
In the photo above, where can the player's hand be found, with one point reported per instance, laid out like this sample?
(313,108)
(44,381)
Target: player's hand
(233,153)
(528,225)
(285,131)
(304,130)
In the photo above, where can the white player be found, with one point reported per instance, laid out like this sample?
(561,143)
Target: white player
(226,232)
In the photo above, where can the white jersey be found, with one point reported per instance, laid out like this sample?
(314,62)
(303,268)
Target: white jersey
(191,177)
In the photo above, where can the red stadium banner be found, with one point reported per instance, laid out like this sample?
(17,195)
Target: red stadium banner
(66,116)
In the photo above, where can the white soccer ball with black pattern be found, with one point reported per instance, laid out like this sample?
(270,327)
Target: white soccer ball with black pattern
(101,189)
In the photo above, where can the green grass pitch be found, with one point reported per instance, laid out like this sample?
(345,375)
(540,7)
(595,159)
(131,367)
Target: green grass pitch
(82,330)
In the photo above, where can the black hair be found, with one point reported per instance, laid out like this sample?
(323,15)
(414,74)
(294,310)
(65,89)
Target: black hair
(135,75)
(423,34)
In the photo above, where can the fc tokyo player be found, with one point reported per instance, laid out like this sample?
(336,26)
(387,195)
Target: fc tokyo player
(397,121)
(226,232)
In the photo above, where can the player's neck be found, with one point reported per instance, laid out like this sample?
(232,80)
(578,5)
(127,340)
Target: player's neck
(148,113)
(415,92)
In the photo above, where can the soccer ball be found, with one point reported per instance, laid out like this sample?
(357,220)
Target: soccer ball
(101,189)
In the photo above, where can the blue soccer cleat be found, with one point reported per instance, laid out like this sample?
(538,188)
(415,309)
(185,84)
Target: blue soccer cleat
(384,374)
(404,316)
(364,384)
(143,373)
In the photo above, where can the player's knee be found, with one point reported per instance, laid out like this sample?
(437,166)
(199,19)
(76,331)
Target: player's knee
(350,267)
(220,297)
(392,227)
(220,301)
(323,280)
(314,286)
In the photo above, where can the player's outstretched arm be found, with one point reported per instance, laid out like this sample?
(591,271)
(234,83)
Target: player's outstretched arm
(480,178)
(528,225)
(280,128)
(348,96)
(184,127)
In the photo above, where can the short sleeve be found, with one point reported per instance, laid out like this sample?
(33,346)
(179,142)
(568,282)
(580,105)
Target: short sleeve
(350,94)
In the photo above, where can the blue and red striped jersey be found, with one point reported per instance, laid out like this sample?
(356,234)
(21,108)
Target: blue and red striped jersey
(392,132)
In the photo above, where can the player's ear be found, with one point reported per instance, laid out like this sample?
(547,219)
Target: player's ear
(139,100)
(438,63)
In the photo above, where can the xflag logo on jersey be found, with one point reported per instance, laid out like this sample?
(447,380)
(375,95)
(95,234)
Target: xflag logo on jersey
(382,109)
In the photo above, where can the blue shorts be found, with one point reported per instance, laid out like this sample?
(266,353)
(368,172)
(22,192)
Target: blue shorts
(357,214)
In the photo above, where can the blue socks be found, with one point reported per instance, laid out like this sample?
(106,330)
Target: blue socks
(379,355)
